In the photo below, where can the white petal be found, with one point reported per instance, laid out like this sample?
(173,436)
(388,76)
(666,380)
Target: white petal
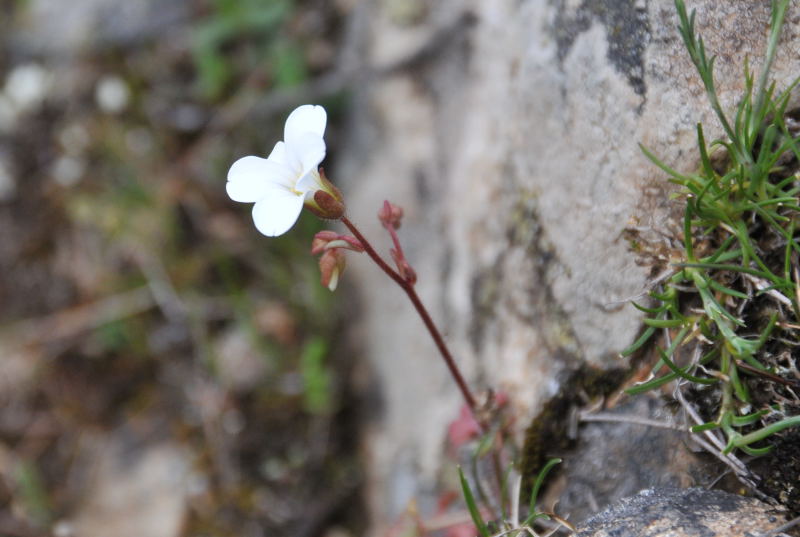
(246,192)
(310,150)
(304,119)
(278,154)
(277,212)
(309,183)
(250,178)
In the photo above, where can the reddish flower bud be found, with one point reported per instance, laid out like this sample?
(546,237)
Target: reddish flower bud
(331,266)
(404,267)
(390,215)
(326,240)
(321,240)
(325,205)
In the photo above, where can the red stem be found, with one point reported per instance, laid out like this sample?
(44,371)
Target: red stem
(423,313)
(396,240)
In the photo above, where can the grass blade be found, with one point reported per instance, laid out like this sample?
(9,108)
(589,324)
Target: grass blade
(474,512)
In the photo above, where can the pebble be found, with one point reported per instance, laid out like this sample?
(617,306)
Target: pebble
(27,86)
(112,94)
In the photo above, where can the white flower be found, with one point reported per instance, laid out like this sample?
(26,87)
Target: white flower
(280,184)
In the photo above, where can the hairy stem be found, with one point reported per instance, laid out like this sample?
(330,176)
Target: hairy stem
(395,240)
(423,313)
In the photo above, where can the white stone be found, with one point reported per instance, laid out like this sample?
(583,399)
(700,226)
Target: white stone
(112,94)
(63,528)
(141,492)
(27,86)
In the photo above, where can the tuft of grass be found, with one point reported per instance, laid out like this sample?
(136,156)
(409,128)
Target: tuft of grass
(729,313)
(509,524)
(472,506)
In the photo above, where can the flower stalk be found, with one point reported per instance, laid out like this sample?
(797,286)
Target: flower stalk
(408,287)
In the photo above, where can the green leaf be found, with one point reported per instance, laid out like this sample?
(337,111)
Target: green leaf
(681,179)
(32,492)
(664,323)
(683,372)
(764,432)
(532,514)
(704,427)
(727,290)
(649,311)
(641,340)
(756,452)
(749,419)
(723,266)
(486,443)
(316,378)
(289,64)
(651,384)
(738,387)
(472,507)
(701,144)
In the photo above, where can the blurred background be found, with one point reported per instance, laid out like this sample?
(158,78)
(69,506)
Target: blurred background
(165,370)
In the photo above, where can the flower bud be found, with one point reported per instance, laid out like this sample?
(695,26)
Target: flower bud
(326,240)
(321,240)
(331,266)
(390,215)
(325,205)
(327,200)
(404,267)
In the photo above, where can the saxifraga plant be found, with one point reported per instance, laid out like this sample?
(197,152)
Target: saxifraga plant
(729,312)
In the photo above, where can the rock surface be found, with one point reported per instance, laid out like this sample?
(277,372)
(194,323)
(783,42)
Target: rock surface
(616,459)
(669,512)
(149,480)
(512,143)
(51,30)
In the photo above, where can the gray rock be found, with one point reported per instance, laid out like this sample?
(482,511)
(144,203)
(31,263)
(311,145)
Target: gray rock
(613,460)
(51,29)
(513,148)
(150,480)
(671,512)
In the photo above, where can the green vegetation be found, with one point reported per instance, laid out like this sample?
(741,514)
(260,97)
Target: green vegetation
(510,524)
(142,307)
(729,313)
(256,29)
